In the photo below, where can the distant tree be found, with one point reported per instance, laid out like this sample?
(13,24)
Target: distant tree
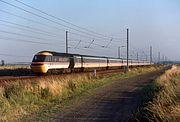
(2,62)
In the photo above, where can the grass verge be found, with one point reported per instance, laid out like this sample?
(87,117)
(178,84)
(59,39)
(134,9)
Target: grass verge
(29,100)
(162,98)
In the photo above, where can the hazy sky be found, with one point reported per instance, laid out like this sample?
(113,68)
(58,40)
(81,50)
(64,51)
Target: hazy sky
(150,22)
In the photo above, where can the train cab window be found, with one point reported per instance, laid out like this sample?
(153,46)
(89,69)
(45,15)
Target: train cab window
(41,58)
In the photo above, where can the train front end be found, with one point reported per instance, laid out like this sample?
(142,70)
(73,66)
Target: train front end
(41,62)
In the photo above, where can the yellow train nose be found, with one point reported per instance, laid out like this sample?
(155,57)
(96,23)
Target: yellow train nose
(38,68)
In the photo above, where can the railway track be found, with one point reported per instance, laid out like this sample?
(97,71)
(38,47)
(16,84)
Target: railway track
(29,77)
(10,78)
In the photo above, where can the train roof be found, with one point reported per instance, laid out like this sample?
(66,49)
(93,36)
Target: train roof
(57,53)
(70,54)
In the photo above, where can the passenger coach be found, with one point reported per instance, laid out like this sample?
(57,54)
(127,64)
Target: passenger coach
(45,61)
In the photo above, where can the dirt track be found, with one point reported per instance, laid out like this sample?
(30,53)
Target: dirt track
(113,102)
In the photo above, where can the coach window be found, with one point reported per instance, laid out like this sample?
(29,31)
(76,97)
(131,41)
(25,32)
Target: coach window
(63,59)
(55,59)
(48,58)
(78,59)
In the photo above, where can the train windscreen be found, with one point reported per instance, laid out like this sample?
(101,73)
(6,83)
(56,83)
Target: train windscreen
(41,58)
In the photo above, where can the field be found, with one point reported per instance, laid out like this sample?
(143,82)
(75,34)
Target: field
(14,67)
(162,99)
(45,97)
(15,70)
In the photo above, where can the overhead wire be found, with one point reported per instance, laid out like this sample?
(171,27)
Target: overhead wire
(77,44)
(94,43)
(34,14)
(45,13)
(142,51)
(108,43)
(83,35)
(34,30)
(21,40)
(26,41)
(47,18)
(18,34)
(27,19)
(89,50)
(41,38)
(28,27)
(23,29)
(76,40)
(100,45)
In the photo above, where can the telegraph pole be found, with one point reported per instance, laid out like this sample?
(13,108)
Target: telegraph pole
(118,52)
(150,54)
(66,41)
(127,68)
(163,58)
(137,56)
(159,57)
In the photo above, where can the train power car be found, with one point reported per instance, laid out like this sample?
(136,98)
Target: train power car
(45,61)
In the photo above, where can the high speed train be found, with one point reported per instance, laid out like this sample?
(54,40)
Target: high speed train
(45,61)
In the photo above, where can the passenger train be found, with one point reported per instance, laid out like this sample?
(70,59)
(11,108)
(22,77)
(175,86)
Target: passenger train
(46,61)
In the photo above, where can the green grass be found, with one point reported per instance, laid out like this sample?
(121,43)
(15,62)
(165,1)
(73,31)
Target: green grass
(42,99)
(162,98)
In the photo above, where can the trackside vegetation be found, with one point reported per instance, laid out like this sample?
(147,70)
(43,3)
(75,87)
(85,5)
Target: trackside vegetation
(43,98)
(162,99)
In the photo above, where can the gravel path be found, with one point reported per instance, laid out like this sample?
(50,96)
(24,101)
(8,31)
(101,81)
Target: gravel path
(111,103)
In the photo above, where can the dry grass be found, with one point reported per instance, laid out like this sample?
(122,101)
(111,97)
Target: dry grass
(165,106)
(14,67)
(23,98)
(20,98)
